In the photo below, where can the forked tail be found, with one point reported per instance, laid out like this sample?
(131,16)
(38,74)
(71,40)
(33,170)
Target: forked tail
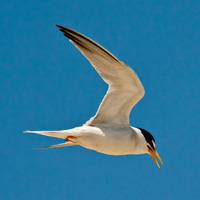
(58,134)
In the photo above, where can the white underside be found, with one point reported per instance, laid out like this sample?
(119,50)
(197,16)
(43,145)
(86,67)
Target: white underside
(107,139)
(108,131)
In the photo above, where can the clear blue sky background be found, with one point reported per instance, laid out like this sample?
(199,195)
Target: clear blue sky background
(46,84)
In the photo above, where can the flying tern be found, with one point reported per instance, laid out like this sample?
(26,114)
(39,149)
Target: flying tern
(108,131)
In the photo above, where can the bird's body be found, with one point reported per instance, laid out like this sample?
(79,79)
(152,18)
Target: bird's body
(108,131)
(107,139)
(115,140)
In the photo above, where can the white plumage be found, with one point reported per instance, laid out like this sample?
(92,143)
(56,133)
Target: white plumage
(108,131)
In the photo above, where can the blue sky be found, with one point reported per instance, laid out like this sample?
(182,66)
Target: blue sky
(47,84)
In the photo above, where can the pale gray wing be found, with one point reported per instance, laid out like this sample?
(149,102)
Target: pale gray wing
(125,88)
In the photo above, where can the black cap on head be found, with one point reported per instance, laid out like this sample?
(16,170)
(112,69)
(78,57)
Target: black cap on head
(148,137)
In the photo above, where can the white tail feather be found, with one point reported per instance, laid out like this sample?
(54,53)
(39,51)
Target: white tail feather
(58,134)
(60,145)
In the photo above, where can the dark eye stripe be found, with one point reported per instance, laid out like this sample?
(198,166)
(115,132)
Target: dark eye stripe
(148,137)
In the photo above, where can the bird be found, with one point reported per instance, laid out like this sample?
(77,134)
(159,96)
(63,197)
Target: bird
(108,131)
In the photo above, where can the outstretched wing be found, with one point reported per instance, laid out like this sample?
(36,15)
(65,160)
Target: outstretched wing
(125,88)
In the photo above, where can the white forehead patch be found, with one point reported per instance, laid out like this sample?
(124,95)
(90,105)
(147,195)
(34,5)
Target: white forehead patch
(153,143)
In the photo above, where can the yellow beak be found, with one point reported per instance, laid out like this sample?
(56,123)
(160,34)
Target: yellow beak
(153,152)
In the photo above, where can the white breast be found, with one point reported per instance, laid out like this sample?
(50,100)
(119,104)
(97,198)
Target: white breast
(112,140)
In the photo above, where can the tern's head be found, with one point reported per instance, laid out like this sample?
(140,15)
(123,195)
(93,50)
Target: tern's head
(150,142)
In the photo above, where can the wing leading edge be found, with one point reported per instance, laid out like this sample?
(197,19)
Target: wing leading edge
(125,88)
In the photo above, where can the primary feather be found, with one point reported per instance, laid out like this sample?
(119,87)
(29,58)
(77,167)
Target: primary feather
(125,88)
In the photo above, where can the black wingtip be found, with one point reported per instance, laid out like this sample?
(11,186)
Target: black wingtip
(59,26)
(82,40)
(62,28)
